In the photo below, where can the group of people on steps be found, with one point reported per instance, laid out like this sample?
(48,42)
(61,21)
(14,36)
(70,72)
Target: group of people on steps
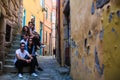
(26,55)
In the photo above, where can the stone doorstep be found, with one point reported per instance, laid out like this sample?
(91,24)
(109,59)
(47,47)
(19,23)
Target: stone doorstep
(45,78)
(45,75)
(9,61)
(11,56)
(11,68)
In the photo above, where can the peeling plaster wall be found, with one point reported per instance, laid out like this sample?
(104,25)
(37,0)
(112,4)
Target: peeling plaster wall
(95,39)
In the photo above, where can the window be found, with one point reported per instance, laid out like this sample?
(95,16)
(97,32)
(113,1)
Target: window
(8,33)
(41,26)
(42,3)
(46,36)
(24,18)
(51,17)
(46,13)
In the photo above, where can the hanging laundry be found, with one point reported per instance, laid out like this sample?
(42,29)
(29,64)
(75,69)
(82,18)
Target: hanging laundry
(101,3)
(101,34)
(110,17)
(92,8)
(118,13)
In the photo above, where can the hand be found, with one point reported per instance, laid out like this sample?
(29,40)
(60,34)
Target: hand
(28,61)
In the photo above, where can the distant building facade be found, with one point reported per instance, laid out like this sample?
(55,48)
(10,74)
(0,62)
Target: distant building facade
(53,23)
(47,29)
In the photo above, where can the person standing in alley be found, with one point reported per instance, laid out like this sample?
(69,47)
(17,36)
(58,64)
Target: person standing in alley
(54,52)
(22,59)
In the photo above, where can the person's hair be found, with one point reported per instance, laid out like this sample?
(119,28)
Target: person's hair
(22,43)
(23,30)
(30,22)
(29,43)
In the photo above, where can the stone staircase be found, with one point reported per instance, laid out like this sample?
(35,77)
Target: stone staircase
(9,61)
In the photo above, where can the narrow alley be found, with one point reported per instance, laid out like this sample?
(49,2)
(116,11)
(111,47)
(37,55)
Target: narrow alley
(51,71)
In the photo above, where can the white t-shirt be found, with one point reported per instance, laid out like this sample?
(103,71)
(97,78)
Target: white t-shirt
(22,55)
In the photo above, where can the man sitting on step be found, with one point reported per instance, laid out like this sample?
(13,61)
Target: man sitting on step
(22,59)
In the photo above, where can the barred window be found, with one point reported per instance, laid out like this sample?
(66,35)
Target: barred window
(8,33)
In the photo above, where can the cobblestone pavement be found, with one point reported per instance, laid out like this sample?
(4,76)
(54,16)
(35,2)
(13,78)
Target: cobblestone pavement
(51,71)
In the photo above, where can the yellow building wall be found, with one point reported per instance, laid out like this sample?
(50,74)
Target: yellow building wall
(112,42)
(83,64)
(34,8)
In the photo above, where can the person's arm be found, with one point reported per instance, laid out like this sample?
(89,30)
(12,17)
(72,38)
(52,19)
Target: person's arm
(19,58)
(30,56)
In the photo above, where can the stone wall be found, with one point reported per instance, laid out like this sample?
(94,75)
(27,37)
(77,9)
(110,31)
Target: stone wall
(10,18)
(95,39)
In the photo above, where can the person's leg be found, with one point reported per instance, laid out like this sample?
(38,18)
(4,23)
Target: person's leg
(36,63)
(32,66)
(19,66)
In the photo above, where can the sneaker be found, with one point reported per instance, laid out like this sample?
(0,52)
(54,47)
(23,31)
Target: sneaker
(20,75)
(34,74)
(36,53)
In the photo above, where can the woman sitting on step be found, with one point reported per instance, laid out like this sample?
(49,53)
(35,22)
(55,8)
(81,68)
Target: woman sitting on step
(31,49)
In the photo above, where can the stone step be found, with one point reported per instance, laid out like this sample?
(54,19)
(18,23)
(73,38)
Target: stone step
(16,46)
(45,78)
(12,51)
(11,68)
(9,61)
(18,35)
(63,70)
(16,42)
(17,38)
(45,75)
(11,56)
